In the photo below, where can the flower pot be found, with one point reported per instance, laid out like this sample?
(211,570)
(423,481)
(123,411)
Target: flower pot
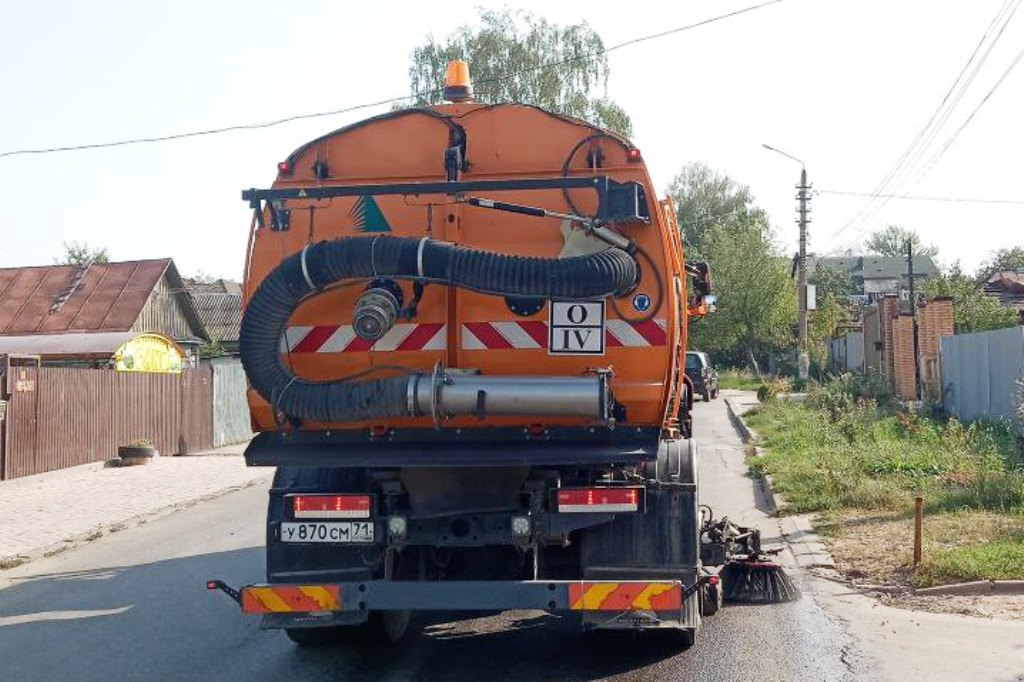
(136,454)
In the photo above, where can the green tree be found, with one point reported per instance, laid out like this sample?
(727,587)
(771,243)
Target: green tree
(973,311)
(706,198)
(519,57)
(756,309)
(1002,259)
(81,255)
(832,315)
(829,280)
(892,241)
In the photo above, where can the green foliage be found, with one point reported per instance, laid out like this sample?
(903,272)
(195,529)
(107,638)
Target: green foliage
(1001,560)
(1002,259)
(519,57)
(212,349)
(973,311)
(831,281)
(739,379)
(81,255)
(833,314)
(770,389)
(840,451)
(892,241)
(756,308)
(704,199)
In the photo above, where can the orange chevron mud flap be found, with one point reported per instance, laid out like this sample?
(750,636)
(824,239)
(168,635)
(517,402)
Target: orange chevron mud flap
(282,598)
(291,599)
(626,596)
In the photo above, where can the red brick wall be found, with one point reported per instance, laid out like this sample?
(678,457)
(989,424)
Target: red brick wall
(888,309)
(935,320)
(904,366)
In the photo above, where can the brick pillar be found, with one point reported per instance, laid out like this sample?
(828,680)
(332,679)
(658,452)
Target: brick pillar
(904,364)
(888,310)
(935,320)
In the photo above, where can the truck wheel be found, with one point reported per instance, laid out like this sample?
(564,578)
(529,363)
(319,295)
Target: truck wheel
(392,624)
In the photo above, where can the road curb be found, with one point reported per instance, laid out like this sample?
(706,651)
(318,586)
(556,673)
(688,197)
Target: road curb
(808,549)
(974,588)
(114,526)
(746,433)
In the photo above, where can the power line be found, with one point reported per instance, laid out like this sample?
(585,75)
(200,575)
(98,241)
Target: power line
(367,105)
(967,121)
(1013,5)
(964,200)
(919,142)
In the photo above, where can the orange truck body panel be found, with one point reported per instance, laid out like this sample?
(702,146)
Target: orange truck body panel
(460,328)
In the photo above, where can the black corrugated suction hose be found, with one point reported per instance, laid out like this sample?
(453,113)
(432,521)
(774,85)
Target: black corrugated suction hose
(610,272)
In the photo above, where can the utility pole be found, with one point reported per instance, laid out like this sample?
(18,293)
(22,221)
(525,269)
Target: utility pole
(803,210)
(913,314)
(803,197)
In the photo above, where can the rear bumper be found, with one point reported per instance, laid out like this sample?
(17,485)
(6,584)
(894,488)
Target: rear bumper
(658,601)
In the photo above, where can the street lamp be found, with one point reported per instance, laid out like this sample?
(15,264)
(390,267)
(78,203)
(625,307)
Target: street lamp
(803,196)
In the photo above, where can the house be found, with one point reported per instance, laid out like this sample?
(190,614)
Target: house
(87,313)
(876,276)
(1008,287)
(219,306)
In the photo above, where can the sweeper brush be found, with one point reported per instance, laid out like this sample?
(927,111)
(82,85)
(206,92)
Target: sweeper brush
(756,582)
(747,575)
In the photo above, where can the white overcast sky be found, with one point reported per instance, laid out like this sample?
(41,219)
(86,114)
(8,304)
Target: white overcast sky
(843,84)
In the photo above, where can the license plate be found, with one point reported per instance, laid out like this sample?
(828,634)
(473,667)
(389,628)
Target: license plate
(347,531)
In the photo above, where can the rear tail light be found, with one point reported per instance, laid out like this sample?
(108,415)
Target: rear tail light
(331,506)
(600,499)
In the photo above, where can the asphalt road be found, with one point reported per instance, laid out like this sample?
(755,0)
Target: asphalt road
(132,606)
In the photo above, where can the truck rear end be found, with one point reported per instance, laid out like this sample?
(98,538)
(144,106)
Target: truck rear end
(464,332)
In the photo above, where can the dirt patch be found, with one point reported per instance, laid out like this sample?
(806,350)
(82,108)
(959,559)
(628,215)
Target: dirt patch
(1005,607)
(876,548)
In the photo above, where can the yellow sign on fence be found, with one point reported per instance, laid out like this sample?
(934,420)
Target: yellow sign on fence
(148,353)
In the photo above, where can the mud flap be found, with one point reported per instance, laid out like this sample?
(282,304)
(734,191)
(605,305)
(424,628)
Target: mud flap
(661,543)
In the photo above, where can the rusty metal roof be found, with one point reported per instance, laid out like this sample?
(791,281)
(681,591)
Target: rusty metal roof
(103,297)
(221,314)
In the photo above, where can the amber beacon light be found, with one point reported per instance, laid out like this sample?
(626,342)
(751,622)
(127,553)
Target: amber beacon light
(457,87)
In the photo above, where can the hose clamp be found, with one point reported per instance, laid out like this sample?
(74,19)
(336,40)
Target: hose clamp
(410,397)
(419,256)
(305,269)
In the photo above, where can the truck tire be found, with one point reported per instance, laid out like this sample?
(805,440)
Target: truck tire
(381,626)
(316,637)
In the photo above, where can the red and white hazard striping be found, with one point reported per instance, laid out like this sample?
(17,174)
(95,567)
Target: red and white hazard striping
(342,339)
(526,334)
(534,334)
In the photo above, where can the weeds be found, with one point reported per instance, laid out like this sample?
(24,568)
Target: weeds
(8,562)
(738,379)
(845,450)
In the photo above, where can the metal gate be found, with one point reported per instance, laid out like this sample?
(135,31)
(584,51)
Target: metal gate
(61,416)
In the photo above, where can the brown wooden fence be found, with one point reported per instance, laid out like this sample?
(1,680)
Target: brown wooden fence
(61,416)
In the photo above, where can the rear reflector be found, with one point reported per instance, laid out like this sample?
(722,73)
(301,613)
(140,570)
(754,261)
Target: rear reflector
(600,499)
(331,506)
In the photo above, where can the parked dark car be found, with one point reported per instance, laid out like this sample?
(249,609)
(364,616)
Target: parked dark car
(702,374)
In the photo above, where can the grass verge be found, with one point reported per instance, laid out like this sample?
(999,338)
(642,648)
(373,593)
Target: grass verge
(738,379)
(860,466)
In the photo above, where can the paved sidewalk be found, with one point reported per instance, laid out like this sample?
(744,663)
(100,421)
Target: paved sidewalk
(50,512)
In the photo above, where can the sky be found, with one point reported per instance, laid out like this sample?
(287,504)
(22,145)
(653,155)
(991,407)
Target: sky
(844,85)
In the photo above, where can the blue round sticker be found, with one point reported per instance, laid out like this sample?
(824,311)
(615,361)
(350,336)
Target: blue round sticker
(642,302)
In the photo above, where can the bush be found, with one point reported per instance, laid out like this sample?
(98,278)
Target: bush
(771,388)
